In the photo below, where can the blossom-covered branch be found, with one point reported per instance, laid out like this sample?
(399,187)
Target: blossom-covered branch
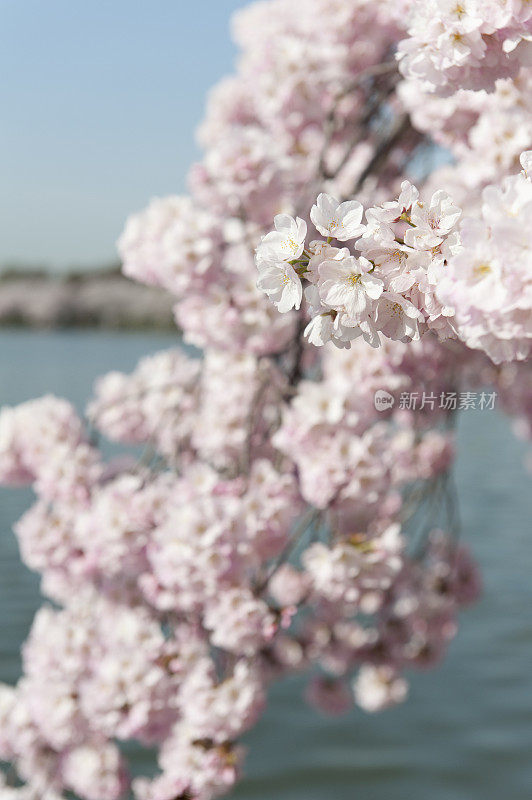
(284,521)
(411,268)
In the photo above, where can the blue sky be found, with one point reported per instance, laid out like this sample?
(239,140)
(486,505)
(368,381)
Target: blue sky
(100,100)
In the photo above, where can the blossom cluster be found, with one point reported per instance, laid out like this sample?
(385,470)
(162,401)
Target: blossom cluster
(384,286)
(267,517)
(266,137)
(489,281)
(485,131)
(43,441)
(168,404)
(411,268)
(456,44)
(178,606)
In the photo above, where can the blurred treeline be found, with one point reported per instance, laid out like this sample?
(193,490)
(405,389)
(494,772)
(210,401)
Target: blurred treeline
(38,298)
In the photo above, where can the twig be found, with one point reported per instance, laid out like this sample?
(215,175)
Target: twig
(309,519)
(330,123)
(264,385)
(400,127)
(361,129)
(295,372)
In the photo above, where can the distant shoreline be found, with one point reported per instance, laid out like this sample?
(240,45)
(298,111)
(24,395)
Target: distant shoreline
(98,299)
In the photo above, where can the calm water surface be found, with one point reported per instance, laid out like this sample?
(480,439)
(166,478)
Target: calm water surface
(465,732)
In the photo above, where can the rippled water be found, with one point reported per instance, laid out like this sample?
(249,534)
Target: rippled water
(466,731)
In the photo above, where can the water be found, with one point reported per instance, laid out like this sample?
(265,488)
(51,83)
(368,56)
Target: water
(466,731)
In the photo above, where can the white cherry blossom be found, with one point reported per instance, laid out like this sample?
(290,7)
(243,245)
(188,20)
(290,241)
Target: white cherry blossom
(392,210)
(341,221)
(397,317)
(282,285)
(432,222)
(321,251)
(347,285)
(320,329)
(285,243)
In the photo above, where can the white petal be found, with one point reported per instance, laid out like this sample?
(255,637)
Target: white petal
(357,302)
(284,223)
(291,296)
(373,286)
(335,294)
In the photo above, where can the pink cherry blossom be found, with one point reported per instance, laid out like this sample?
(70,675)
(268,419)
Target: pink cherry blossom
(262,525)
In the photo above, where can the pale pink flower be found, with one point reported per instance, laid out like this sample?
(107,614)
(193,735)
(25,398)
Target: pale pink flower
(282,285)
(340,221)
(285,243)
(347,285)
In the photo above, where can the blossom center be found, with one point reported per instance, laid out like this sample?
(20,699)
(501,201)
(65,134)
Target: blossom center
(481,270)
(397,309)
(353,279)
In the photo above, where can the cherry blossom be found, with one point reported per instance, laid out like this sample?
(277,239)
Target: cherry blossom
(282,285)
(341,221)
(258,523)
(348,286)
(286,242)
